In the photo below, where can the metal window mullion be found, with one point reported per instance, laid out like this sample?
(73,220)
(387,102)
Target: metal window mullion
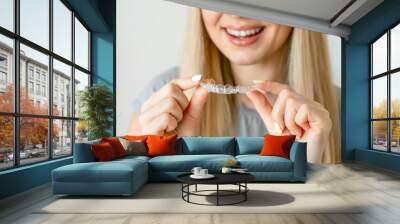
(389,102)
(386,119)
(50,81)
(16,84)
(73,82)
(17,41)
(43,50)
(89,52)
(371,123)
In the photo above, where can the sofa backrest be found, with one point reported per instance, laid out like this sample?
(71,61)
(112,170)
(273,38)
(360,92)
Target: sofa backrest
(206,145)
(249,145)
(83,152)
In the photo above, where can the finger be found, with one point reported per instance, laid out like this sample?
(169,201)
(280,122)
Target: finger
(196,104)
(185,83)
(169,90)
(301,118)
(271,87)
(168,105)
(290,114)
(278,110)
(161,124)
(263,107)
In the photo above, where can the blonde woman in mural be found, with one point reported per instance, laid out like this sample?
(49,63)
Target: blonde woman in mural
(296,94)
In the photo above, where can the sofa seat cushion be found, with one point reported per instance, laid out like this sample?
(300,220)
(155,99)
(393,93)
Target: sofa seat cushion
(121,170)
(257,163)
(133,158)
(185,163)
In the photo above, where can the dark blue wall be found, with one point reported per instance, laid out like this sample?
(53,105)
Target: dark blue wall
(99,16)
(103,64)
(24,178)
(103,52)
(355,80)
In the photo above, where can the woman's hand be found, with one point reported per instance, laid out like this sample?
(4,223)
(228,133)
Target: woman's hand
(169,109)
(292,113)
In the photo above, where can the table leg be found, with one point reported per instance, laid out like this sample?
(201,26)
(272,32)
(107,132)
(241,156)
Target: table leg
(196,187)
(188,189)
(217,194)
(245,193)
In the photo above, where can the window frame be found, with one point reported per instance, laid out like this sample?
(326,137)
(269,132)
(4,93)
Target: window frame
(388,74)
(16,115)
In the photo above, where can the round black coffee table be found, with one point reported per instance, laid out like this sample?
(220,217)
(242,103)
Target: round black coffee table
(238,179)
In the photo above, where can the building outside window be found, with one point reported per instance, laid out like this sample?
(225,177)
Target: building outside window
(58,127)
(44,77)
(3,72)
(30,87)
(43,90)
(30,72)
(385,91)
(38,89)
(3,77)
(37,74)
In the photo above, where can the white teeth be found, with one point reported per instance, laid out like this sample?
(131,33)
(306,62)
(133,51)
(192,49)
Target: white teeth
(243,33)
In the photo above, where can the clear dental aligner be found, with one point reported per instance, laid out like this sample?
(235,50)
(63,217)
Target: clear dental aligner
(210,86)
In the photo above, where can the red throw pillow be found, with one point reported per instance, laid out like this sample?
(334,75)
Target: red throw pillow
(161,145)
(136,137)
(116,145)
(103,152)
(277,145)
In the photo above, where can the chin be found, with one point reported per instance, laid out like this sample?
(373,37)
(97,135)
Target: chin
(244,59)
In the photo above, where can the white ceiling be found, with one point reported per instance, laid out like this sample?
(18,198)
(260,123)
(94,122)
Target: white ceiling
(328,16)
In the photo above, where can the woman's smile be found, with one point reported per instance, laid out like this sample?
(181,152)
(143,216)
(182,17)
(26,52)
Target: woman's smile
(244,35)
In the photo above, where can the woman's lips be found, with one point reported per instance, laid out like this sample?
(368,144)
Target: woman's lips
(243,36)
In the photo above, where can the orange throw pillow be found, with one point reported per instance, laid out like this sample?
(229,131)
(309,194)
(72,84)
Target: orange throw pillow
(116,145)
(103,152)
(136,137)
(161,145)
(277,145)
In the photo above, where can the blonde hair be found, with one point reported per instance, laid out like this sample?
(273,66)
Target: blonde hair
(306,66)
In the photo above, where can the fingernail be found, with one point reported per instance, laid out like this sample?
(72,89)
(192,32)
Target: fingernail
(277,128)
(259,81)
(197,77)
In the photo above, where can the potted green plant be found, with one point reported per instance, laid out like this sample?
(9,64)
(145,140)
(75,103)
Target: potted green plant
(96,103)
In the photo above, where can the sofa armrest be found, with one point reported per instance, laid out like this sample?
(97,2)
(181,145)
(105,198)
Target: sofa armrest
(83,152)
(298,155)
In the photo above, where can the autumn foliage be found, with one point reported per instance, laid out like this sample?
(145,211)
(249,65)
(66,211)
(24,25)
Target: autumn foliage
(380,127)
(33,131)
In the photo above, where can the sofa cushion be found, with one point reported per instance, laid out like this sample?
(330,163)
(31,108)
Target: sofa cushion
(83,152)
(136,137)
(257,163)
(132,158)
(161,145)
(112,171)
(116,145)
(277,145)
(249,145)
(103,152)
(134,147)
(206,145)
(185,163)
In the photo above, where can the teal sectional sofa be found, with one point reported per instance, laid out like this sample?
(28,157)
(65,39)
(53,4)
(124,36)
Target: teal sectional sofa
(125,176)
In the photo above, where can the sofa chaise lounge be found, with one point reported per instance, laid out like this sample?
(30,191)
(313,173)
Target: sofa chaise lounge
(125,176)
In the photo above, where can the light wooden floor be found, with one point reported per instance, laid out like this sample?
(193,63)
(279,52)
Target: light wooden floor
(353,182)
